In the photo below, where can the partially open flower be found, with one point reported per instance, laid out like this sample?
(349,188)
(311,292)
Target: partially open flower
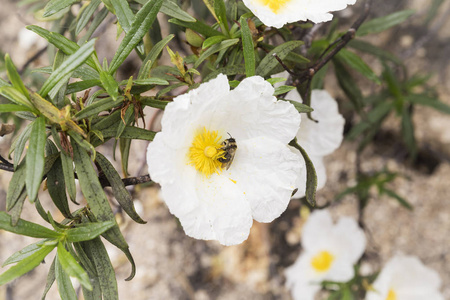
(329,253)
(406,278)
(222,158)
(276,13)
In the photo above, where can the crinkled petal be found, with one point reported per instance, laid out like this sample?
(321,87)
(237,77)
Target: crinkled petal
(349,239)
(266,170)
(296,10)
(323,137)
(223,210)
(341,271)
(251,110)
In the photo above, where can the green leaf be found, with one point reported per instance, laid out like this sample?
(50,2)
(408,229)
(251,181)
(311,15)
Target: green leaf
(300,107)
(50,279)
(109,84)
(124,14)
(16,96)
(283,89)
(86,15)
(347,84)
(65,288)
(269,62)
(71,267)
(221,14)
(248,48)
(147,81)
(61,75)
(14,77)
(35,158)
(16,186)
(171,9)
(105,272)
(98,107)
(98,19)
(61,42)
(148,101)
(408,133)
(130,132)
(142,23)
(356,63)
(213,40)
(397,197)
(311,176)
(25,265)
(153,55)
(79,86)
(69,177)
(215,48)
(228,70)
(88,231)
(120,192)
(55,6)
(197,26)
(374,50)
(25,252)
(430,102)
(18,144)
(26,228)
(383,23)
(4,108)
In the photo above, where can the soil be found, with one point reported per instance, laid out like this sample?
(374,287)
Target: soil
(170,265)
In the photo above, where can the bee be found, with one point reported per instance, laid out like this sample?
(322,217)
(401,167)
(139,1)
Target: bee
(230,147)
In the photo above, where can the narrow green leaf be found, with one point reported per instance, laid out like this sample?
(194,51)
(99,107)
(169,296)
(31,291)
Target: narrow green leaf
(16,96)
(14,77)
(59,41)
(69,177)
(213,40)
(106,275)
(383,23)
(228,70)
(269,62)
(147,81)
(109,84)
(125,146)
(397,197)
(374,50)
(55,6)
(120,192)
(4,108)
(16,186)
(130,132)
(88,231)
(124,14)
(128,117)
(86,15)
(21,254)
(215,48)
(408,133)
(311,176)
(153,55)
(148,101)
(98,107)
(428,101)
(26,228)
(65,288)
(142,23)
(248,48)
(79,86)
(283,89)
(347,84)
(171,9)
(71,267)
(35,158)
(356,63)
(18,144)
(98,19)
(16,211)
(25,265)
(300,107)
(221,13)
(55,80)
(197,26)
(50,279)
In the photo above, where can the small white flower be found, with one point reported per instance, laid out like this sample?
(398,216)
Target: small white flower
(318,138)
(214,202)
(406,278)
(329,253)
(276,13)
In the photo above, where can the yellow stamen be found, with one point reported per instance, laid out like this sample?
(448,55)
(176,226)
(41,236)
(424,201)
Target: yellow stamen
(274,5)
(205,152)
(391,295)
(322,261)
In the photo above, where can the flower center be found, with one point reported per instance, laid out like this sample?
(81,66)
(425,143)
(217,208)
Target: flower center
(322,261)
(274,5)
(391,295)
(205,152)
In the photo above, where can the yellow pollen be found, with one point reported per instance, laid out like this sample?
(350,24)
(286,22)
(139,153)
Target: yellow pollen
(391,295)
(274,5)
(322,261)
(205,152)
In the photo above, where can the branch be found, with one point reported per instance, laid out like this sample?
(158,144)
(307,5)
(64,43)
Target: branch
(6,165)
(127,181)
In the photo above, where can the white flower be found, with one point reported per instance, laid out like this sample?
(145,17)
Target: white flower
(211,201)
(329,253)
(276,13)
(318,138)
(406,278)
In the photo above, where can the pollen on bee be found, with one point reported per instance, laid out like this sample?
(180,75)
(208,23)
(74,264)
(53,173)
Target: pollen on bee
(205,152)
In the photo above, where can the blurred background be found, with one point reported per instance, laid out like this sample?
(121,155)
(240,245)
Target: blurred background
(171,265)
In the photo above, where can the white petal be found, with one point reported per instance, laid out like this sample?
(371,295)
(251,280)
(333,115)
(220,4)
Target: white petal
(350,240)
(340,271)
(303,282)
(266,170)
(325,136)
(251,110)
(317,230)
(296,10)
